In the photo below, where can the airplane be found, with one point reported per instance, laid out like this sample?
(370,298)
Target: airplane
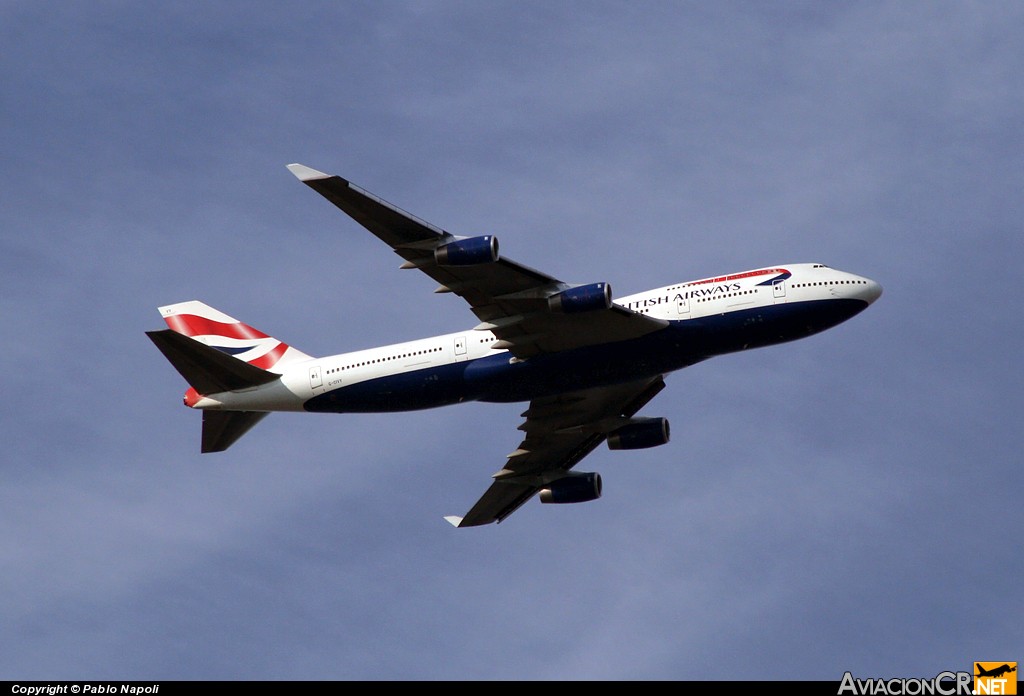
(585,363)
(996,671)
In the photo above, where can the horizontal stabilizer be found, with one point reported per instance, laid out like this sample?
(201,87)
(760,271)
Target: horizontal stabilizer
(207,369)
(222,428)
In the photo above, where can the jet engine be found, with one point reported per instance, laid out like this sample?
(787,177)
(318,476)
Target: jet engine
(467,252)
(640,434)
(583,298)
(574,488)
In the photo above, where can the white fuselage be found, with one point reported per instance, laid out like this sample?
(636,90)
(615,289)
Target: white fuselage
(763,298)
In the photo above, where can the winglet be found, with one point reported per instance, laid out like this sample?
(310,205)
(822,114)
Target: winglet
(304,173)
(453,520)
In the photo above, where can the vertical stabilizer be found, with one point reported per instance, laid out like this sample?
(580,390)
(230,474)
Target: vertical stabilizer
(216,353)
(228,335)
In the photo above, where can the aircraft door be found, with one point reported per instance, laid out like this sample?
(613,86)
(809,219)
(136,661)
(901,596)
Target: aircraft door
(683,305)
(779,291)
(315,378)
(460,348)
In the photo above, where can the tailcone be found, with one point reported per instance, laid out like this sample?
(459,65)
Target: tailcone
(192,397)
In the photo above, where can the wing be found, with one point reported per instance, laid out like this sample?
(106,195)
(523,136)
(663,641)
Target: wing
(560,431)
(509,299)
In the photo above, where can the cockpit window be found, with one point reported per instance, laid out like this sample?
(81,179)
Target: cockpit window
(819,265)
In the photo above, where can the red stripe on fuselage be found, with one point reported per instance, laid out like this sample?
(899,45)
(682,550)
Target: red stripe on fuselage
(738,276)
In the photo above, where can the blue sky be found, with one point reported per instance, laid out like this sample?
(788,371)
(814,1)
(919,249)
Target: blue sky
(847,502)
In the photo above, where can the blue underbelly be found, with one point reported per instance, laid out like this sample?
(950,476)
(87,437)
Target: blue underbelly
(498,378)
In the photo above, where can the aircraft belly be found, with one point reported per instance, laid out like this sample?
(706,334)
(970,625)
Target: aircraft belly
(769,325)
(500,378)
(681,344)
(497,379)
(407,391)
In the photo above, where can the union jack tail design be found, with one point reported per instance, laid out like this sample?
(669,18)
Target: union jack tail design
(217,330)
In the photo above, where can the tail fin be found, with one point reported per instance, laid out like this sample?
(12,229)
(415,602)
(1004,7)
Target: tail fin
(228,335)
(216,353)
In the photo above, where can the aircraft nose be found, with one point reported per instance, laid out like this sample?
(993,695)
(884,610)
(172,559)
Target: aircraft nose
(872,291)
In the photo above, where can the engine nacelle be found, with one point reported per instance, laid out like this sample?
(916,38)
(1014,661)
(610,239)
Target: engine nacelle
(585,298)
(467,252)
(640,434)
(574,488)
